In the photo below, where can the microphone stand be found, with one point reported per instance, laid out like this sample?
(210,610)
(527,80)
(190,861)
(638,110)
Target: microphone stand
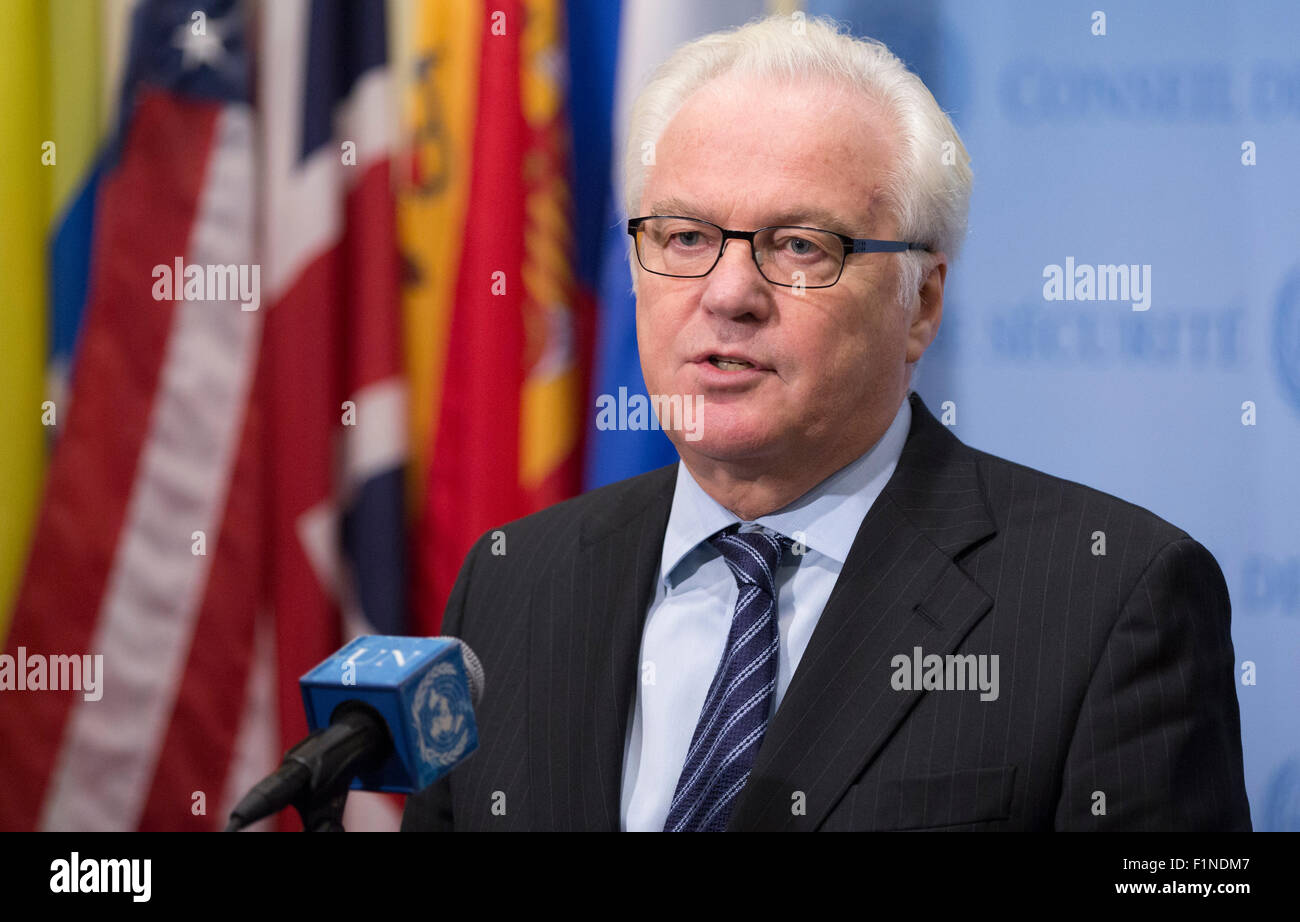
(322,813)
(365,739)
(315,775)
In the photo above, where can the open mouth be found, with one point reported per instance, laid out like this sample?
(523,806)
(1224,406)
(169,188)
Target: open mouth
(726,364)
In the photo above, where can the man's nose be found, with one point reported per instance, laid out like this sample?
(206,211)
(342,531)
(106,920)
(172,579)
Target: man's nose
(735,287)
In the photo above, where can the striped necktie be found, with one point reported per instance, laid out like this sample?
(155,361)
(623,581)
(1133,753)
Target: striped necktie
(734,717)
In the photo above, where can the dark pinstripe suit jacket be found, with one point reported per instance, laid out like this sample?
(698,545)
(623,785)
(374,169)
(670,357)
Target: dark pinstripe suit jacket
(1116,672)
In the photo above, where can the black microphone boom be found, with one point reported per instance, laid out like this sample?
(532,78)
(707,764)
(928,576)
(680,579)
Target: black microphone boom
(317,770)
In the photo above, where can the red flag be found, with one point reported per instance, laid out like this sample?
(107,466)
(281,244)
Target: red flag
(509,430)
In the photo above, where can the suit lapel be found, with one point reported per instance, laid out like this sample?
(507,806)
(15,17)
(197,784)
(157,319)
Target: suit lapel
(899,589)
(584,643)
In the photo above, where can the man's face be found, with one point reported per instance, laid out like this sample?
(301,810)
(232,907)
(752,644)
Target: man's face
(829,364)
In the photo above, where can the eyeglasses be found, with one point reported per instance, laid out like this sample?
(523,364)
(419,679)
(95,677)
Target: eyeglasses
(789,256)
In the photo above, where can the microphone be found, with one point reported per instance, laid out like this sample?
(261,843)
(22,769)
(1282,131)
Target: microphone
(386,713)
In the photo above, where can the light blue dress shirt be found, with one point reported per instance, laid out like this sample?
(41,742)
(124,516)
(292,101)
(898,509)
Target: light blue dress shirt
(688,622)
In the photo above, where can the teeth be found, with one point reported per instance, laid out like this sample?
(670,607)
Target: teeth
(729,364)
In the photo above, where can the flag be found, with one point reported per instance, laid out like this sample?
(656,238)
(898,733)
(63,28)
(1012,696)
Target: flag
(508,434)
(74,110)
(441,100)
(145,461)
(441,104)
(336,398)
(650,30)
(224,504)
(26,154)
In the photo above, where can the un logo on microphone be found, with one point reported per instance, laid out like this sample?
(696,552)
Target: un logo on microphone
(1286,338)
(444,715)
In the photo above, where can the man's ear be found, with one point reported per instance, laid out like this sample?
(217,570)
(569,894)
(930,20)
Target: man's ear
(927,309)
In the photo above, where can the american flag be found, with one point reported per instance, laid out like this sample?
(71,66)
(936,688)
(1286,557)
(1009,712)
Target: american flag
(224,506)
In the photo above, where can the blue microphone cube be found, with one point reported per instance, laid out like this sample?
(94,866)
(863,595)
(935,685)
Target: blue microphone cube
(420,687)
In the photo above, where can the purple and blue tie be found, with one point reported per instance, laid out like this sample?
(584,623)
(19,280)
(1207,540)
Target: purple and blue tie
(734,717)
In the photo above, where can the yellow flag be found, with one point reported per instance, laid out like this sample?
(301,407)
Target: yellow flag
(29,155)
(441,101)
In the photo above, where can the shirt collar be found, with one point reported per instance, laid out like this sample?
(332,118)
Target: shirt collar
(826,518)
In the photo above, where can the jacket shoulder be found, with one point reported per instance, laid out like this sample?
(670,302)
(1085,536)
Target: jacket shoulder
(939,471)
(1015,490)
(603,507)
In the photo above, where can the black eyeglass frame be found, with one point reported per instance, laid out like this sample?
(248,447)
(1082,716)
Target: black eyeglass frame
(851,245)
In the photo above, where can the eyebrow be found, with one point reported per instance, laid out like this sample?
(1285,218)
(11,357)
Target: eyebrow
(806,217)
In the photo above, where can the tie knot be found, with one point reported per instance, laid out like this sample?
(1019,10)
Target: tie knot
(753,556)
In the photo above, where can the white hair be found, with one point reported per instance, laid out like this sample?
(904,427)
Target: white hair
(928,190)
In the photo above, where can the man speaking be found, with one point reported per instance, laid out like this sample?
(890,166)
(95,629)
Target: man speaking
(831,614)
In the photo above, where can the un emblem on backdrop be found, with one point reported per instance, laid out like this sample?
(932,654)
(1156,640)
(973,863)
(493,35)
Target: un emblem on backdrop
(1286,338)
(443,713)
